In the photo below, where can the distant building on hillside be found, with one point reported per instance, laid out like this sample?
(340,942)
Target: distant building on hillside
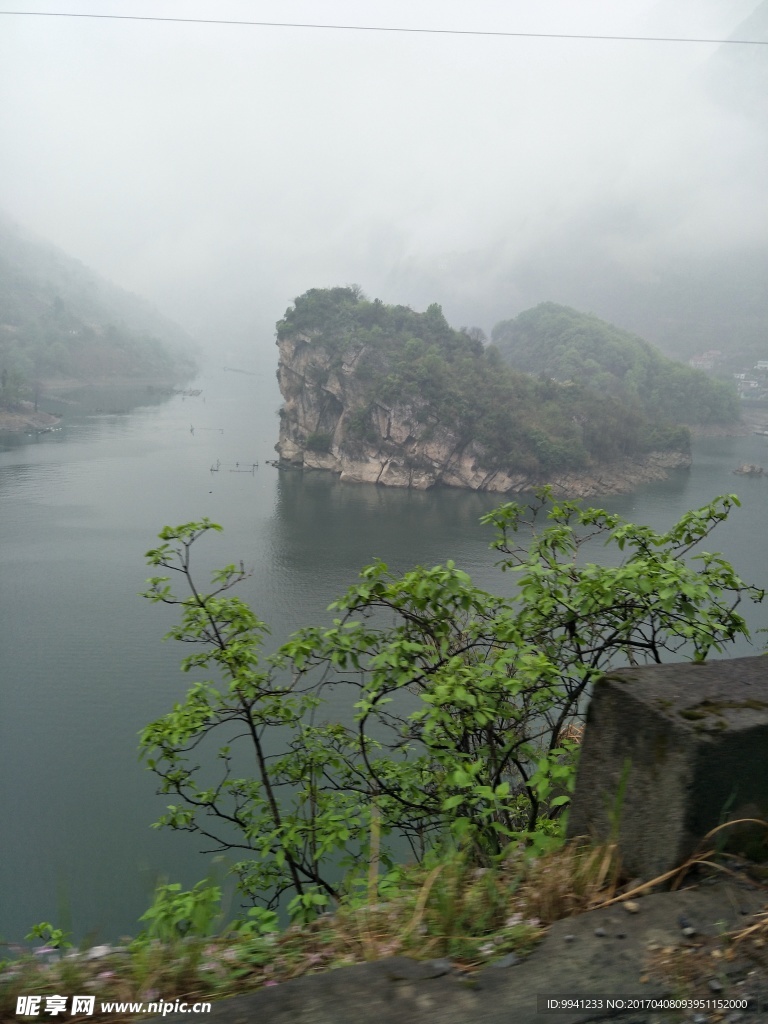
(706,360)
(749,388)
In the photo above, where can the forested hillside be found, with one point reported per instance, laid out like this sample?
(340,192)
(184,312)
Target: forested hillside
(563,344)
(60,319)
(398,356)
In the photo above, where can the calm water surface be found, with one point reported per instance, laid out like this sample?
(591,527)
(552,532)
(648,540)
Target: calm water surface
(82,661)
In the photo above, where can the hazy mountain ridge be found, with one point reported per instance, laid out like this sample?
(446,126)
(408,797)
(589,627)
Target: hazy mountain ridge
(566,345)
(59,318)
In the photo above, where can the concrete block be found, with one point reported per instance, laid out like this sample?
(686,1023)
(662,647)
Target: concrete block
(691,743)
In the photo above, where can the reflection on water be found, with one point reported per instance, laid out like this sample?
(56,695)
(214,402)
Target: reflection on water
(84,667)
(329,527)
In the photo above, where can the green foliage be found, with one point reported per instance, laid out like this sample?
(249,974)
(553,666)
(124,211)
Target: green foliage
(566,345)
(359,425)
(258,921)
(281,838)
(323,313)
(459,702)
(55,938)
(458,906)
(319,442)
(176,915)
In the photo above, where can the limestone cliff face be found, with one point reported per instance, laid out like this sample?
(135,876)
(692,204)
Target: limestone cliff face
(328,422)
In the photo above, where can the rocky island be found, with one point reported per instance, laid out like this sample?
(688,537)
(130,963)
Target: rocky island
(383,394)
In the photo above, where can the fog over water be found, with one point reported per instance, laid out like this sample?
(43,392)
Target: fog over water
(220,170)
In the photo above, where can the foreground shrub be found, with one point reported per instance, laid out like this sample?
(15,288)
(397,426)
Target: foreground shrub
(463,707)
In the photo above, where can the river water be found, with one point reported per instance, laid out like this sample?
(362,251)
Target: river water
(83,664)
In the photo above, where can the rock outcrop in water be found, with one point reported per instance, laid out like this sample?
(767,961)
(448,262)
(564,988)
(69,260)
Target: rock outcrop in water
(330,421)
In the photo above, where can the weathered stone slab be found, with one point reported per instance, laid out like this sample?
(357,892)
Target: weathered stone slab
(691,742)
(361,472)
(395,474)
(321,460)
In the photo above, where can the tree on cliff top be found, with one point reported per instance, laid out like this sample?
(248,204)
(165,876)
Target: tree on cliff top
(567,345)
(523,423)
(457,701)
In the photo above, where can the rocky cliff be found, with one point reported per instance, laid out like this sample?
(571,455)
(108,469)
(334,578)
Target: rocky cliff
(328,422)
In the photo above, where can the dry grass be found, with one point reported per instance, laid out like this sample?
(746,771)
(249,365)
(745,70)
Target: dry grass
(572,880)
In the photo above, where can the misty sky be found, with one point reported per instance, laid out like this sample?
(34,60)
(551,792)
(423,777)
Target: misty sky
(221,170)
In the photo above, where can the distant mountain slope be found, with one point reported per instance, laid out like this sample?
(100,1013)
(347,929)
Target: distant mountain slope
(565,345)
(58,318)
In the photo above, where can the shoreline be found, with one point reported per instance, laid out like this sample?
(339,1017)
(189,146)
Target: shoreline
(26,420)
(23,418)
(596,481)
